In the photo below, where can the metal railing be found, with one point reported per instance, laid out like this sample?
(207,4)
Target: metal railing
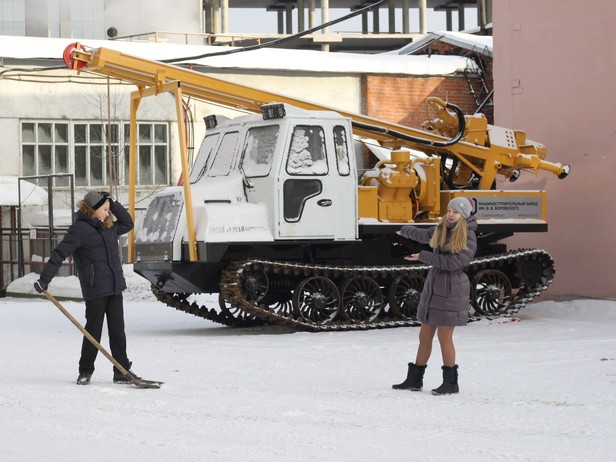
(50,188)
(187,38)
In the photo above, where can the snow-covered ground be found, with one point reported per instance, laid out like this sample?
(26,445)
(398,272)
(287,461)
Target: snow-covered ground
(539,387)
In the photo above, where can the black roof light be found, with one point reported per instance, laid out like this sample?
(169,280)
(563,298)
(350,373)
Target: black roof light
(273,111)
(210,121)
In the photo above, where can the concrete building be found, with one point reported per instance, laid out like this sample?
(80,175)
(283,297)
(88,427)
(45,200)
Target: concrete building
(385,24)
(558,88)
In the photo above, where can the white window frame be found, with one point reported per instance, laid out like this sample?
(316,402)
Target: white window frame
(152,151)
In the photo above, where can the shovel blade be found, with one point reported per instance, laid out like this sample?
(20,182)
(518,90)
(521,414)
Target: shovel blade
(142,383)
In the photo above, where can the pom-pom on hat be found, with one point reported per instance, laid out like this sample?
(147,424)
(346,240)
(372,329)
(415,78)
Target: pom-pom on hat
(462,205)
(95,199)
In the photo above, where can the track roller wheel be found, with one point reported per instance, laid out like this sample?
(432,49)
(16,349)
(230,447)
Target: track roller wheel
(234,312)
(280,302)
(404,294)
(532,272)
(361,298)
(255,285)
(492,293)
(316,299)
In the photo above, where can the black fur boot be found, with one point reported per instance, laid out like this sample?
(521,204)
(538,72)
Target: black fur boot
(450,381)
(414,379)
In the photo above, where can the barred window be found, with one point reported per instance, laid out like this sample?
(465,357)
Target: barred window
(152,153)
(45,148)
(93,151)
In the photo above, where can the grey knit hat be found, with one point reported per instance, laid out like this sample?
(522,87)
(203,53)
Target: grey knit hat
(462,205)
(95,199)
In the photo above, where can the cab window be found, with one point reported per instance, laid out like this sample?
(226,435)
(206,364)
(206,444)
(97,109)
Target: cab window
(307,154)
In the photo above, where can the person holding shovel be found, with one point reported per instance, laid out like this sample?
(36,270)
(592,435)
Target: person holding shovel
(92,240)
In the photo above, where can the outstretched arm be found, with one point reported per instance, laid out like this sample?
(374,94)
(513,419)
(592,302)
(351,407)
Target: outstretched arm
(421,235)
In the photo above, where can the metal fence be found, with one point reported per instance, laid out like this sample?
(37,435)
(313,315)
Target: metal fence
(27,252)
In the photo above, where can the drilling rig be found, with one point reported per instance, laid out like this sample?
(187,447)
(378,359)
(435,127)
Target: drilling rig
(276,218)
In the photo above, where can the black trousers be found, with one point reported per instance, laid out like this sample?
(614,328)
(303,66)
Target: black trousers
(96,309)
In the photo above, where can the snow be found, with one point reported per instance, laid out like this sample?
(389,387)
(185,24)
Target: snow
(31,194)
(538,387)
(481,43)
(62,218)
(266,58)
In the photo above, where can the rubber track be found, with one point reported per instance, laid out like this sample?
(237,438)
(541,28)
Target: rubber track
(179,302)
(231,283)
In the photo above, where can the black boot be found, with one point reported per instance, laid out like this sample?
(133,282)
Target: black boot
(450,381)
(118,377)
(84,378)
(414,379)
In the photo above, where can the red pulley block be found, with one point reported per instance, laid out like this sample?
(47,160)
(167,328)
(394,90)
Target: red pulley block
(68,56)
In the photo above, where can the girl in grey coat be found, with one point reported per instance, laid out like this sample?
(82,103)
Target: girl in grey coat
(446,294)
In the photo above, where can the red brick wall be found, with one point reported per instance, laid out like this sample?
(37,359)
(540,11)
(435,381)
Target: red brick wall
(403,99)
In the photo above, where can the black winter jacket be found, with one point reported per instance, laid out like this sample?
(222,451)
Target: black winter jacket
(95,251)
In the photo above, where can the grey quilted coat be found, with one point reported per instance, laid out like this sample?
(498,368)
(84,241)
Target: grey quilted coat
(445,297)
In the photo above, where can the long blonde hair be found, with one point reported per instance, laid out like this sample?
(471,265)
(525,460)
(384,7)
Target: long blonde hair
(457,239)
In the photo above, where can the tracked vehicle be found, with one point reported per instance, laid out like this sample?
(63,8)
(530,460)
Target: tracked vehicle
(279,218)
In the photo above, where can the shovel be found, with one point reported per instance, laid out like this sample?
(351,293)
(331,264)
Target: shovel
(139,383)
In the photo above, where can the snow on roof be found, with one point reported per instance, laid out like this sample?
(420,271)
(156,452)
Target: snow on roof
(262,59)
(479,43)
(62,218)
(30,193)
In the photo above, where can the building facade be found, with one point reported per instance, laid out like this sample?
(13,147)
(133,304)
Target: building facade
(557,86)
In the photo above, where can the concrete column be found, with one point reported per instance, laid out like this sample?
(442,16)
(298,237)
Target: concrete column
(301,22)
(481,14)
(488,11)
(215,16)
(461,17)
(312,14)
(423,17)
(391,10)
(405,17)
(288,12)
(207,8)
(280,14)
(325,15)
(224,17)
(375,20)
(364,23)
(325,19)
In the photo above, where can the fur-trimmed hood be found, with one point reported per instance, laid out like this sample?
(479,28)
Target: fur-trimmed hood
(85,208)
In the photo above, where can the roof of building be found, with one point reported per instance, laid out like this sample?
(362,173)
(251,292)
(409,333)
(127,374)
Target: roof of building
(478,43)
(22,49)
